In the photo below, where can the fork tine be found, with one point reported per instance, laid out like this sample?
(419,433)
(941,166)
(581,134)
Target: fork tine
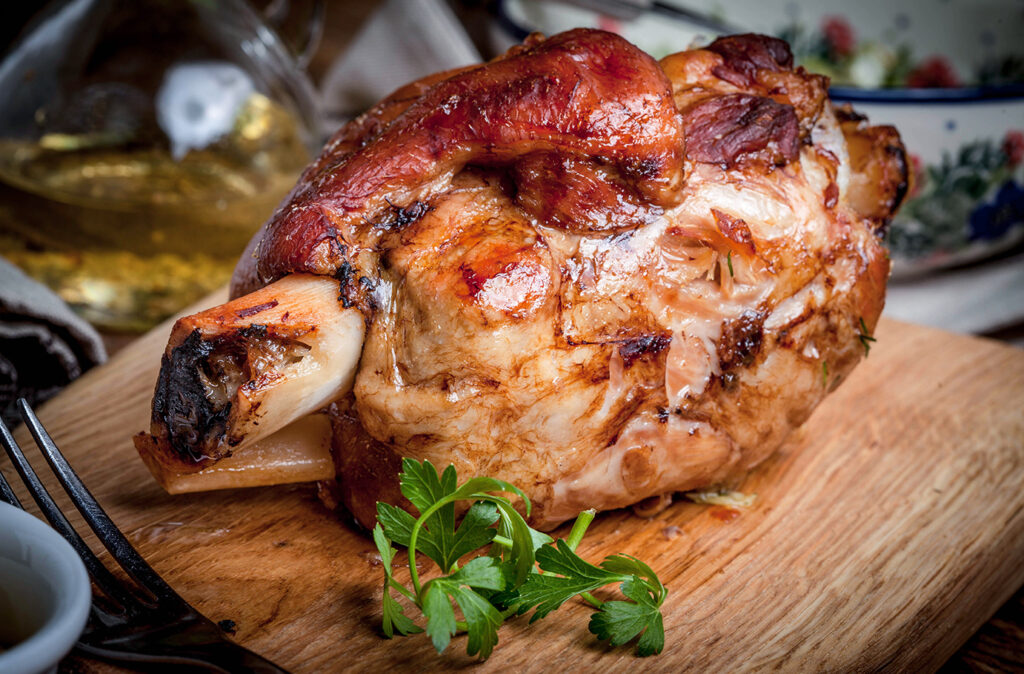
(6,493)
(172,632)
(104,580)
(101,524)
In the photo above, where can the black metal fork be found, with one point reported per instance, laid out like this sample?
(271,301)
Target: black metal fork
(145,622)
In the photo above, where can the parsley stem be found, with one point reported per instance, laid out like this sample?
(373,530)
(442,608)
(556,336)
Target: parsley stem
(402,588)
(502,541)
(579,528)
(414,574)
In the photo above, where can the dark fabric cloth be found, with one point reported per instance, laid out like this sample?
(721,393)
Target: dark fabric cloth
(44,346)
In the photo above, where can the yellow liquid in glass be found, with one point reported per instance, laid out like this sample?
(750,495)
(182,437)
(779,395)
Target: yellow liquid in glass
(128,235)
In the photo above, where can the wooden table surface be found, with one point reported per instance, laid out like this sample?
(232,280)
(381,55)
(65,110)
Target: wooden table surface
(887,531)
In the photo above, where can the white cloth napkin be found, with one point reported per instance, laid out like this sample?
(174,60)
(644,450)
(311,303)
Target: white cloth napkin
(402,41)
(983,298)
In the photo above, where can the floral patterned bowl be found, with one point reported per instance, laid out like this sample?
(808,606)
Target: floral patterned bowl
(967,199)
(949,74)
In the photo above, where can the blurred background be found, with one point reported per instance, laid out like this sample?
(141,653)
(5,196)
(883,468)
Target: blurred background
(142,142)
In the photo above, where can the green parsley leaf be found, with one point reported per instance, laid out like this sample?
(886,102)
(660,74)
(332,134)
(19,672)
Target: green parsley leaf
(437,606)
(623,563)
(615,621)
(482,573)
(398,525)
(518,530)
(482,619)
(387,553)
(473,532)
(486,484)
(394,616)
(619,622)
(495,585)
(422,486)
(539,538)
(522,549)
(547,592)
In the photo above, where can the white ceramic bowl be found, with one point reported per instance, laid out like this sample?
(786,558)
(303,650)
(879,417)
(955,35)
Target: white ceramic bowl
(949,75)
(44,594)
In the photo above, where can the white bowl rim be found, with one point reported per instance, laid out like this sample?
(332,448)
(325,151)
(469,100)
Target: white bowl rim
(50,643)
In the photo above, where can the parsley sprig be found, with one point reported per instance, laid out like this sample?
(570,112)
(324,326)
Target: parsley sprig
(522,569)
(865,337)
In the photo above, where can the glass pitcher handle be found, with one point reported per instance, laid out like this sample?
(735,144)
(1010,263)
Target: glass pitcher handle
(299,23)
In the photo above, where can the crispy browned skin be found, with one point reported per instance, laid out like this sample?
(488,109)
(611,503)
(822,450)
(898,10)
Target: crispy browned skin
(879,175)
(599,277)
(586,97)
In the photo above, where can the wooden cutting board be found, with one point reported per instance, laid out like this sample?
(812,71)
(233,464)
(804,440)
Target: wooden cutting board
(886,531)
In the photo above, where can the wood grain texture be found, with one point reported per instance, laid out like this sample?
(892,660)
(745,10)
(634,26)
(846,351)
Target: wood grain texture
(998,646)
(886,532)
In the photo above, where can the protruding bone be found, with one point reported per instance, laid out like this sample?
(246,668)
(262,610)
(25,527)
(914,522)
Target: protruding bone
(237,373)
(299,452)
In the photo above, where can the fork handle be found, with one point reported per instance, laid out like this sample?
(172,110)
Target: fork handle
(234,658)
(221,656)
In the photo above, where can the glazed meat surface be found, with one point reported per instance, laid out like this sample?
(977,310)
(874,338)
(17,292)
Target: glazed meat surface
(602,278)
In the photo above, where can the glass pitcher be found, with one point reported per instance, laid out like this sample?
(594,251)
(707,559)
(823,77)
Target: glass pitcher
(142,142)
